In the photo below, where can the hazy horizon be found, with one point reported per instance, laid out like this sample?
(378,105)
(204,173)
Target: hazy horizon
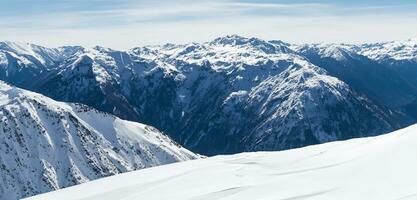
(185,42)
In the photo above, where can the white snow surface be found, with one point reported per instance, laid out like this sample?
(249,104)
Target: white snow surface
(381,167)
(46,145)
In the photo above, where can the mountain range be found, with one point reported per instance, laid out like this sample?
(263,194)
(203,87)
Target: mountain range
(232,94)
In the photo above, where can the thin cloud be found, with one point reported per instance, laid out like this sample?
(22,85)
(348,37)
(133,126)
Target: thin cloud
(278,5)
(147,13)
(152,22)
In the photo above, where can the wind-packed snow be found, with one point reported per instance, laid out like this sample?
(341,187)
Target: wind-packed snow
(46,145)
(381,167)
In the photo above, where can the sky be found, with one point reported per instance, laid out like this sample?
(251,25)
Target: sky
(124,24)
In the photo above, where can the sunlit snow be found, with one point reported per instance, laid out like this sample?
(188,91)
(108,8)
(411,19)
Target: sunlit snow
(381,167)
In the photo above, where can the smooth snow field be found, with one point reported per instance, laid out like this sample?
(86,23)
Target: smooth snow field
(375,168)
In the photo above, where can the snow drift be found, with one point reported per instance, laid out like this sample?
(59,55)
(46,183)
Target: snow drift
(381,167)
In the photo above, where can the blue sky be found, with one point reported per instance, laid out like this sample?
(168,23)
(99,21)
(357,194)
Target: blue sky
(127,23)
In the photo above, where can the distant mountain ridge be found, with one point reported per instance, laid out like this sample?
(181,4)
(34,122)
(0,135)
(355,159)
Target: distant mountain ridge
(233,94)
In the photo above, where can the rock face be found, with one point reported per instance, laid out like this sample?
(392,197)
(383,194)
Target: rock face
(46,145)
(229,95)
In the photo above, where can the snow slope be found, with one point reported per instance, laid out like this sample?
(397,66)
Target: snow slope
(381,167)
(46,145)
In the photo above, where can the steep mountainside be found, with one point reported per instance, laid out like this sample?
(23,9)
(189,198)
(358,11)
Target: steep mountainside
(368,76)
(232,94)
(46,145)
(381,167)
(400,57)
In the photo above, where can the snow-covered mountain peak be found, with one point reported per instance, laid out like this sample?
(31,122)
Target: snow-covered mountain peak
(339,52)
(17,47)
(268,47)
(405,50)
(230,40)
(223,54)
(32,52)
(47,145)
(102,49)
(68,51)
(279,42)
